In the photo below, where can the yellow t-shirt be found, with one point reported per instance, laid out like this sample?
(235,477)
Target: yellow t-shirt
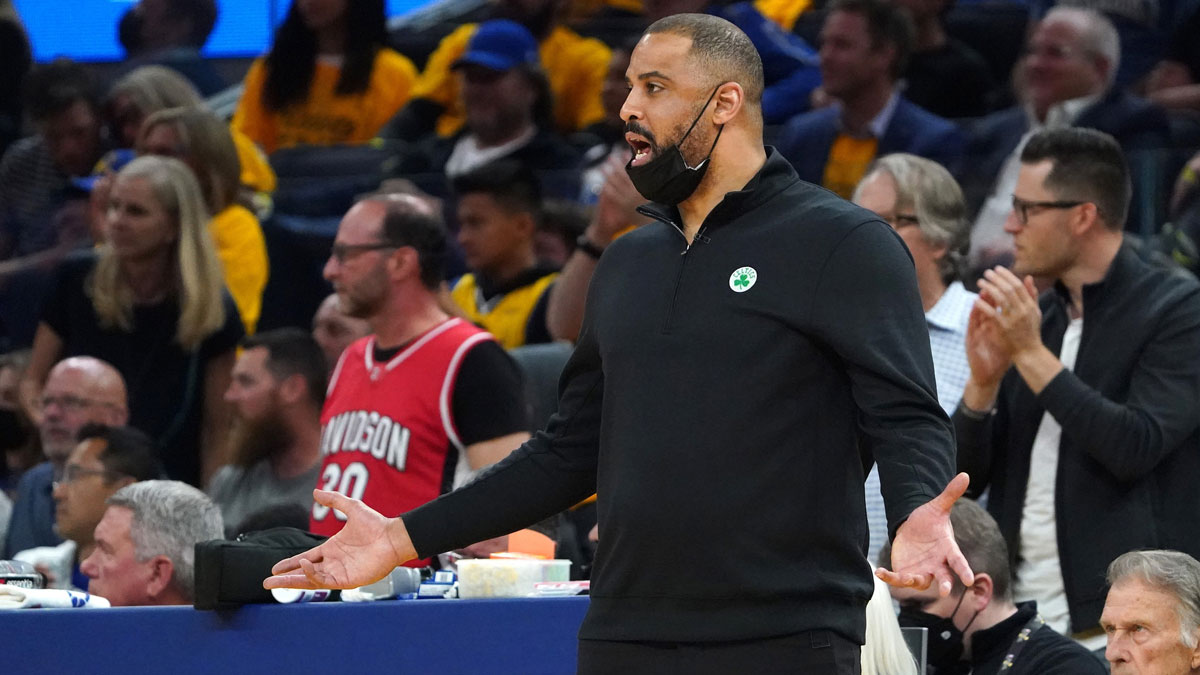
(848,160)
(326,118)
(256,171)
(243,254)
(782,12)
(508,316)
(575,66)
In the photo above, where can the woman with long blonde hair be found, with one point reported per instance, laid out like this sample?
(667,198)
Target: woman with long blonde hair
(150,301)
(203,142)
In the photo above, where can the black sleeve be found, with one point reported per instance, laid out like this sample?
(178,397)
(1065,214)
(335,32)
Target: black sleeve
(489,395)
(65,300)
(549,473)
(536,331)
(875,324)
(416,119)
(228,335)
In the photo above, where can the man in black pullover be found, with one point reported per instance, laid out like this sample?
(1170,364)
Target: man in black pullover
(741,361)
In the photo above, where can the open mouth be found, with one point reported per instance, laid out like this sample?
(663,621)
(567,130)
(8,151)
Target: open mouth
(641,148)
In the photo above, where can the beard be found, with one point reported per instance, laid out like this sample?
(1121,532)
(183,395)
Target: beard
(254,440)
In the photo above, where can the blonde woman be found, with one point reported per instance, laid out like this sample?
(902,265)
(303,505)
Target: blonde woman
(201,141)
(150,301)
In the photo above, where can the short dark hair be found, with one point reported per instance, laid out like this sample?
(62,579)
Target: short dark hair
(511,183)
(202,14)
(887,24)
(127,451)
(293,351)
(51,88)
(405,225)
(721,48)
(1088,165)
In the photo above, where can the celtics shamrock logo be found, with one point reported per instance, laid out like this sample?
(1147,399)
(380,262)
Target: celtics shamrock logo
(742,279)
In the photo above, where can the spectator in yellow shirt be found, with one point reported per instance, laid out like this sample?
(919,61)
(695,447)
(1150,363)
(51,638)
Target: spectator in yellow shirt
(329,79)
(202,141)
(574,65)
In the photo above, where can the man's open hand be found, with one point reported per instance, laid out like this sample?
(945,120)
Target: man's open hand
(366,549)
(924,549)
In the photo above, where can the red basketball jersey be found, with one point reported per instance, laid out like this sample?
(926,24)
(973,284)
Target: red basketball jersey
(387,433)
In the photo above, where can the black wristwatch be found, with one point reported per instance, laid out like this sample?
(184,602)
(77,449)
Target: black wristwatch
(588,246)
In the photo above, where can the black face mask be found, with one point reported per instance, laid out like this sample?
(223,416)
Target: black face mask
(945,646)
(667,179)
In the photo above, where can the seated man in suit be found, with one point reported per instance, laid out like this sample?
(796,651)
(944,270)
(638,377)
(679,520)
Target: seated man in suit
(1066,73)
(864,47)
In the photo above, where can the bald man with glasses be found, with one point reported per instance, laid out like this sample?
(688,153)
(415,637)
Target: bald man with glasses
(1080,412)
(79,390)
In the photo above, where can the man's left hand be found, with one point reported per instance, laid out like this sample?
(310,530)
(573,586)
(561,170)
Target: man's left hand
(924,549)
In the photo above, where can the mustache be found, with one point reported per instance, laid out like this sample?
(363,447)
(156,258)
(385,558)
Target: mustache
(633,127)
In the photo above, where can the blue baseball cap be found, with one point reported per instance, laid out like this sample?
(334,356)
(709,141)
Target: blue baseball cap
(500,45)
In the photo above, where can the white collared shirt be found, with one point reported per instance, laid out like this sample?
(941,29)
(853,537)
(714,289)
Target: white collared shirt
(878,125)
(467,155)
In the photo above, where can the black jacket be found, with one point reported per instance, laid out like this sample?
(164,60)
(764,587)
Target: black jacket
(1129,413)
(1045,653)
(722,429)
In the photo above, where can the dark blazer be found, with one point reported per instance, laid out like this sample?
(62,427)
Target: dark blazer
(1136,123)
(807,139)
(1128,457)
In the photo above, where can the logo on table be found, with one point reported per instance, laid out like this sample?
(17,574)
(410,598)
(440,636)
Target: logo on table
(742,279)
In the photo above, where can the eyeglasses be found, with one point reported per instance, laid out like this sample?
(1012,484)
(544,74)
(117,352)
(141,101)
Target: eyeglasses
(1022,207)
(1055,52)
(74,472)
(340,252)
(69,402)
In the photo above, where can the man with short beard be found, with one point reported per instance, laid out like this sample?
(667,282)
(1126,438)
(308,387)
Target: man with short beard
(277,390)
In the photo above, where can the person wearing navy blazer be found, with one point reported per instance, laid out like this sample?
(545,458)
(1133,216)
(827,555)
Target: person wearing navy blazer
(808,138)
(864,47)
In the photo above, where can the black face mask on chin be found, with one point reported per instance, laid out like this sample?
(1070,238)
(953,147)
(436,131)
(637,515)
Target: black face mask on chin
(945,645)
(667,179)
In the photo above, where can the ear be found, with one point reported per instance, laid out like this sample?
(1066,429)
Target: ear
(527,224)
(1087,220)
(161,570)
(292,388)
(403,262)
(1196,649)
(730,98)
(981,591)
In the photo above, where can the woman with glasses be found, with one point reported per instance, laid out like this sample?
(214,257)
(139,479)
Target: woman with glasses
(150,300)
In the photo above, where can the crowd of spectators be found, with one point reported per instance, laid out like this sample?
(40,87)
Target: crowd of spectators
(321,286)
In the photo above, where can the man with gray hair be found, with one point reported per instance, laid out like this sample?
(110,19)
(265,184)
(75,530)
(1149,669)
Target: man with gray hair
(1064,79)
(919,198)
(1152,614)
(145,543)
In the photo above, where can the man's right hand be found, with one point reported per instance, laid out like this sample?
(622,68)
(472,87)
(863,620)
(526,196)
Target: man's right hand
(366,549)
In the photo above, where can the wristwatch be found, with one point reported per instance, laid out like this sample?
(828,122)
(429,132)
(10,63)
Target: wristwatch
(588,246)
